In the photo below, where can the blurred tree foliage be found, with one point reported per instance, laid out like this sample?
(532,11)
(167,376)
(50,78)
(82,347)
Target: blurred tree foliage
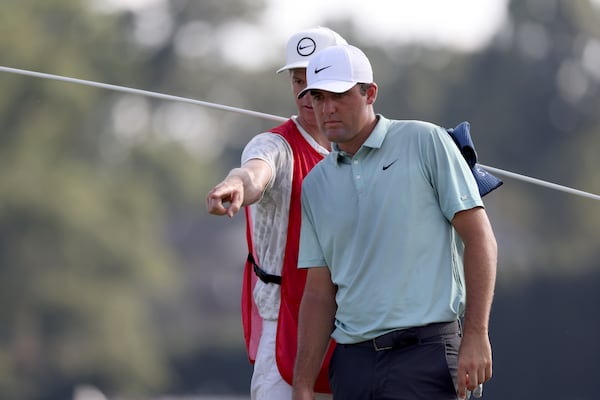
(111,272)
(87,253)
(82,249)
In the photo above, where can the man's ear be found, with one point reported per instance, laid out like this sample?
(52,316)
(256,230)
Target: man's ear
(372,93)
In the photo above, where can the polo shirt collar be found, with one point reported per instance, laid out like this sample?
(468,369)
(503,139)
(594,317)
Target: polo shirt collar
(374,141)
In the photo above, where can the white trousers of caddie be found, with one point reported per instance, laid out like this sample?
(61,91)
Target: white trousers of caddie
(267,383)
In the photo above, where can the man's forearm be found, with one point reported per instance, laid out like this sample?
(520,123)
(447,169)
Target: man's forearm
(254,176)
(480,277)
(315,325)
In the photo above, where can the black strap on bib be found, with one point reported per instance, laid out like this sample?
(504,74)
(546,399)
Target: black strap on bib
(262,274)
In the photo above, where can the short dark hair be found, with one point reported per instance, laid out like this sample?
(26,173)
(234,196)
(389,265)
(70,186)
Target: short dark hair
(364,87)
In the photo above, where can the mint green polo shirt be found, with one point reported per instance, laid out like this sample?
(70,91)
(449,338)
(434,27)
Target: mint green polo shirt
(381,222)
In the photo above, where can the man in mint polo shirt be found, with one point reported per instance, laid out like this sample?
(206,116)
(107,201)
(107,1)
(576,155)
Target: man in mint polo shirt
(398,247)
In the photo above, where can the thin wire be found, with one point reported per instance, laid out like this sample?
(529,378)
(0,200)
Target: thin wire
(542,183)
(140,92)
(264,116)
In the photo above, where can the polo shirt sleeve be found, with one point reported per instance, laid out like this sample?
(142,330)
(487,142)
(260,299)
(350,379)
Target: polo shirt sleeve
(449,173)
(310,253)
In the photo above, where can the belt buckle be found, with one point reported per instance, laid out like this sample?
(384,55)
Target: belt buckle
(377,347)
(396,339)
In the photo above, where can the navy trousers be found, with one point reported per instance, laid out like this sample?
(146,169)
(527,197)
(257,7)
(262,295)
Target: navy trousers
(413,364)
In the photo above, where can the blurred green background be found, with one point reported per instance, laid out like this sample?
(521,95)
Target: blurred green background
(113,275)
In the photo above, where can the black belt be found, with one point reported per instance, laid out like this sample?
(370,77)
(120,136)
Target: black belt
(262,274)
(411,336)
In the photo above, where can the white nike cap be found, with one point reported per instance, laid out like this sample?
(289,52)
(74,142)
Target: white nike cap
(303,45)
(337,69)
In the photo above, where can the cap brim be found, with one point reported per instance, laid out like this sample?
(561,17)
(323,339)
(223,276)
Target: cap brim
(299,64)
(328,86)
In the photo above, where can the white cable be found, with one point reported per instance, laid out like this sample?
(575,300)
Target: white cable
(542,183)
(259,115)
(139,92)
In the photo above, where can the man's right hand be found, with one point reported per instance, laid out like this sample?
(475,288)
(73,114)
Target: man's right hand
(243,186)
(227,197)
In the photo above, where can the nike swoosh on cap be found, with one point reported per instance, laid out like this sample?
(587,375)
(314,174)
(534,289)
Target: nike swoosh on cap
(317,70)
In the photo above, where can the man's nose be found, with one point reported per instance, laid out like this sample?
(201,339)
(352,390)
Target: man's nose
(329,105)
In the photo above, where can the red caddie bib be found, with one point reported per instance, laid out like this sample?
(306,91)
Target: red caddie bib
(293,278)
